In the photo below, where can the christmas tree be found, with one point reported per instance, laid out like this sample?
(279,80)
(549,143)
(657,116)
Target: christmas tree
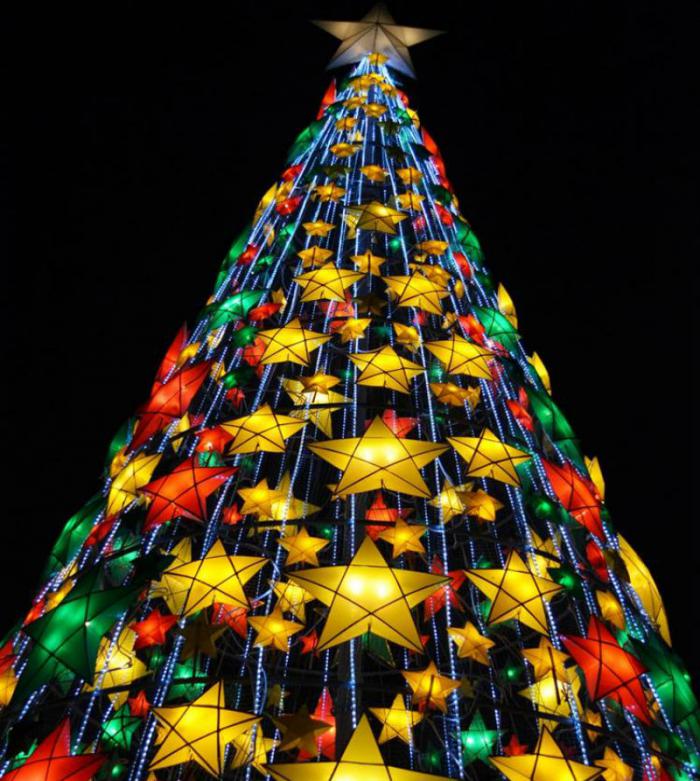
(350,533)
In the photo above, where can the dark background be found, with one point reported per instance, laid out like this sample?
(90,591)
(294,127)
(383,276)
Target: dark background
(143,138)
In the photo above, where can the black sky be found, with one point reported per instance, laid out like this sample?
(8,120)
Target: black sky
(145,136)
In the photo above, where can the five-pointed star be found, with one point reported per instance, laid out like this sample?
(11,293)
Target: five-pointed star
(251,748)
(291,342)
(487,456)
(153,629)
(117,666)
(398,721)
(328,282)
(436,274)
(258,499)
(376,34)
(429,687)
(351,328)
(314,400)
(404,537)
(409,175)
(361,759)
(217,577)
(330,192)
(370,303)
(300,731)
(458,356)
(274,629)
(409,201)
(515,593)
(314,256)
(302,547)
(551,695)
(374,110)
(284,506)
(479,504)
(470,643)
(200,638)
(125,487)
(545,764)
(199,731)
(263,429)
(417,291)
(343,150)
(367,595)
(435,247)
(372,216)
(379,459)
(368,262)
(547,659)
(385,368)
(292,598)
(448,502)
(477,741)
(375,173)
(318,228)
(407,335)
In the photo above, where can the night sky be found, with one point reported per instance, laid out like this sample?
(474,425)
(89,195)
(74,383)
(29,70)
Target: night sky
(145,137)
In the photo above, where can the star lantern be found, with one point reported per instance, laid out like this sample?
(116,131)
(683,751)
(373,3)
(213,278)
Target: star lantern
(477,740)
(368,262)
(314,256)
(302,548)
(470,643)
(373,216)
(327,282)
(397,721)
(274,630)
(290,342)
(263,430)
(385,368)
(487,456)
(416,291)
(429,688)
(575,495)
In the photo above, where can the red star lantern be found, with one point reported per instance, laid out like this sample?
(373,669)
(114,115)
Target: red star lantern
(253,353)
(235,396)
(464,266)
(183,492)
(212,440)
(518,409)
(153,629)
(610,671)
(289,205)
(262,312)
(35,611)
(309,642)
(596,558)
(7,656)
(139,705)
(437,601)
(473,329)
(514,748)
(234,616)
(574,492)
(381,514)
(326,741)
(169,361)
(327,100)
(231,515)
(169,402)
(445,217)
(248,255)
(52,761)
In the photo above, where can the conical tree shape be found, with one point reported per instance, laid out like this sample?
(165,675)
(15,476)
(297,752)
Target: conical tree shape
(289,531)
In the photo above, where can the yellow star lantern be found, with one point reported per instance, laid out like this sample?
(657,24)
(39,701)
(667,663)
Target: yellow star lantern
(398,721)
(458,356)
(251,748)
(354,102)
(117,666)
(279,297)
(344,150)
(454,395)
(385,368)
(596,474)
(417,291)
(299,730)
(367,595)
(319,382)
(132,477)
(610,609)
(317,404)
(547,763)
(478,504)
(408,336)
(487,456)
(409,201)
(263,430)
(546,660)
(506,306)
(329,192)
(258,499)
(302,548)
(346,123)
(368,263)
(373,216)
(265,201)
(374,109)
(360,760)
(291,342)
(8,684)
(436,274)
(317,228)
(352,328)
(292,598)
(551,695)
(328,282)
(614,768)
(429,687)
(379,459)
(314,256)
(515,593)
(217,577)
(375,173)
(285,506)
(409,176)
(404,537)
(541,371)
(470,643)
(448,501)
(433,247)
(199,731)
(273,629)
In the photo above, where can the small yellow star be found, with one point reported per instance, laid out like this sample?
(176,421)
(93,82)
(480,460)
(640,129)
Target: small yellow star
(314,256)
(318,228)
(273,629)
(291,342)
(385,368)
(470,643)
(398,721)
(404,537)
(375,173)
(263,430)
(417,291)
(292,598)
(328,282)
(302,548)
(368,263)
(408,336)
(353,328)
(429,687)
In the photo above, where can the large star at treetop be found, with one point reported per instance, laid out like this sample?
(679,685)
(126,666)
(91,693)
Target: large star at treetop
(361,759)
(328,282)
(217,577)
(547,763)
(379,459)
(515,592)
(199,731)
(52,760)
(376,33)
(367,595)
